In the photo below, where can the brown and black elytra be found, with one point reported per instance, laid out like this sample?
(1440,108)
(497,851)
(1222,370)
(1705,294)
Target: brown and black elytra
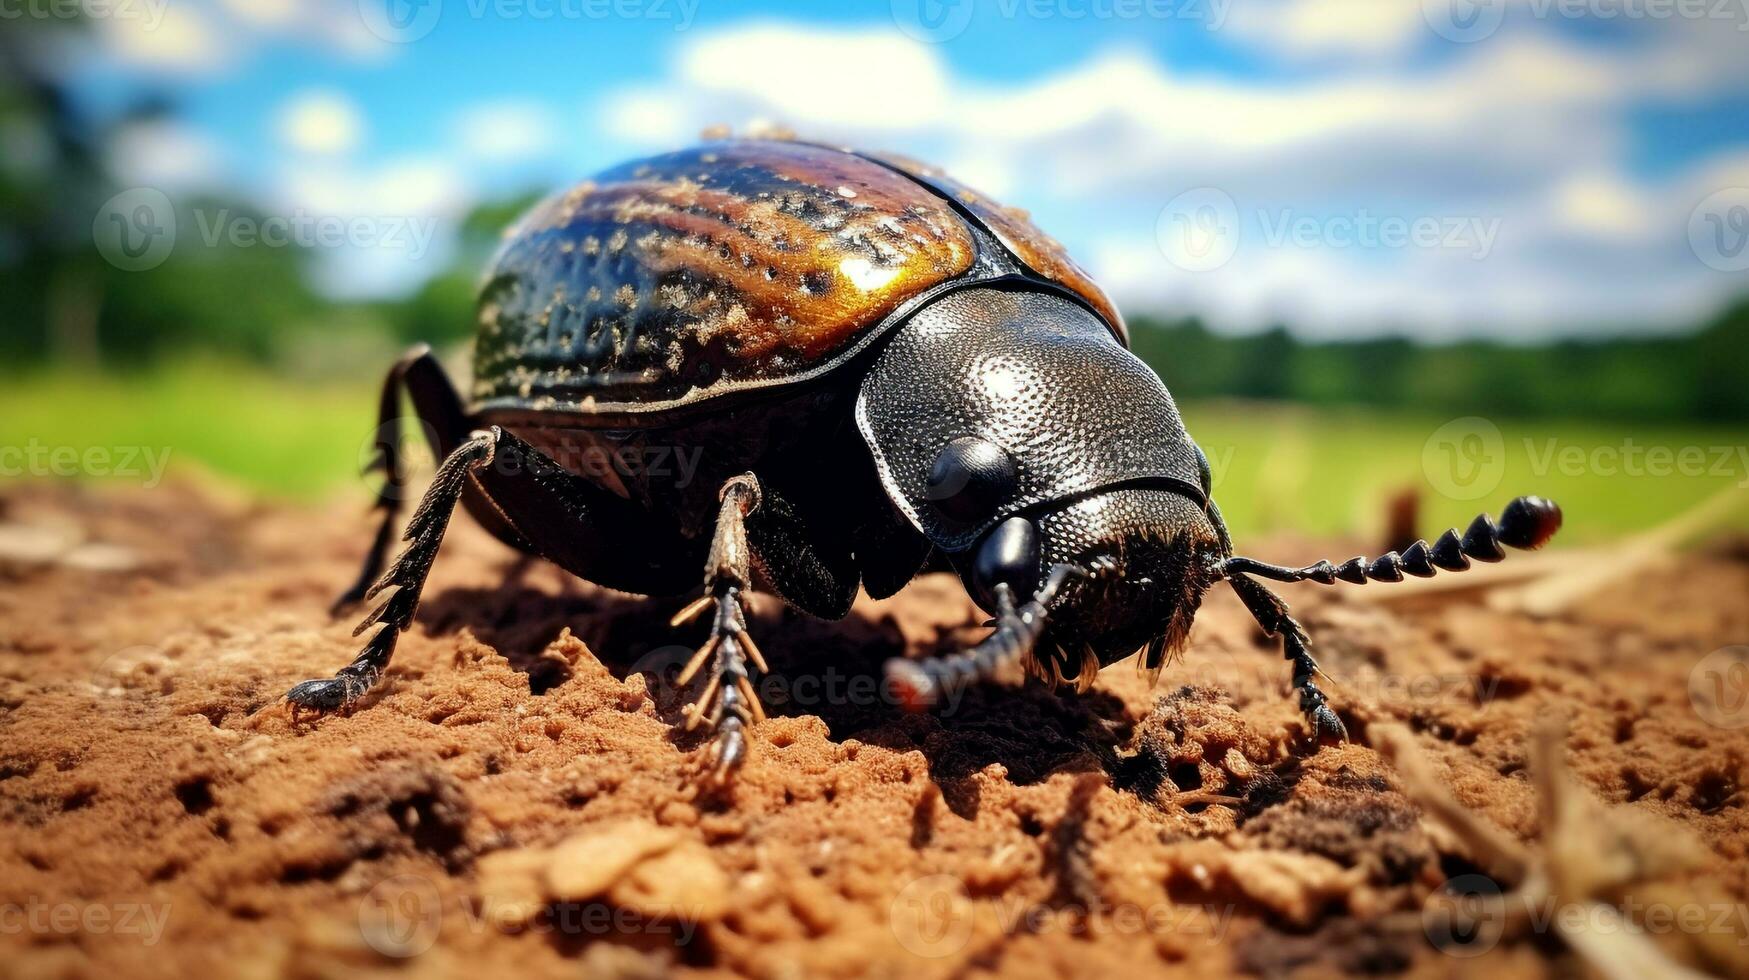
(804,370)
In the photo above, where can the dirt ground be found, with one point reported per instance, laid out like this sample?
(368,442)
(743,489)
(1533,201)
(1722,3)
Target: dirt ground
(514,800)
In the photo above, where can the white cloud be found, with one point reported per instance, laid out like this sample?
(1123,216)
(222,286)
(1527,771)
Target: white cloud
(1313,28)
(399,217)
(505,131)
(164,154)
(1603,205)
(208,37)
(1526,128)
(878,79)
(319,122)
(181,39)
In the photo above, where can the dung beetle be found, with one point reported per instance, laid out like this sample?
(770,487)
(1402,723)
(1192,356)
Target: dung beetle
(805,370)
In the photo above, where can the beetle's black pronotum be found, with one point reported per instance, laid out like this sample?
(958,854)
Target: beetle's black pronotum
(867,370)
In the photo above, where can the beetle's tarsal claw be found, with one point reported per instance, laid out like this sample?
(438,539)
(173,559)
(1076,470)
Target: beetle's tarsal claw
(1326,727)
(728,752)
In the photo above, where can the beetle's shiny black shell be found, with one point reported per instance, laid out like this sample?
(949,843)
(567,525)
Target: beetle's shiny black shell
(734,265)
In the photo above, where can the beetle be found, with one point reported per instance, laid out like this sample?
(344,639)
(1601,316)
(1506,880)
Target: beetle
(873,370)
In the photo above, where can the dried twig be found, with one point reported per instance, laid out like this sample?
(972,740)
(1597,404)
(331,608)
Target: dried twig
(1591,857)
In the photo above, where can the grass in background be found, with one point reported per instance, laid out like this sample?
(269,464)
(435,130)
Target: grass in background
(1328,471)
(295,441)
(1277,467)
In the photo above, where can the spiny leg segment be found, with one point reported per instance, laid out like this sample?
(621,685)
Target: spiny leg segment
(1271,613)
(439,411)
(728,703)
(406,576)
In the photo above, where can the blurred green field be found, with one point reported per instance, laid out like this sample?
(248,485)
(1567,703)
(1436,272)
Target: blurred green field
(1277,467)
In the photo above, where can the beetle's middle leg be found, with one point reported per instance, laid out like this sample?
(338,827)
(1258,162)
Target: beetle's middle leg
(406,577)
(728,703)
(1272,614)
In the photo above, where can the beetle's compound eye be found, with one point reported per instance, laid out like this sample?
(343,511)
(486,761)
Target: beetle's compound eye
(1204,472)
(969,479)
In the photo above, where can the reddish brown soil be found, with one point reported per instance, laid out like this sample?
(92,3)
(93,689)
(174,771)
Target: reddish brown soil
(513,801)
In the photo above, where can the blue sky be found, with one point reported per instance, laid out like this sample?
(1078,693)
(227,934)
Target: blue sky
(1441,167)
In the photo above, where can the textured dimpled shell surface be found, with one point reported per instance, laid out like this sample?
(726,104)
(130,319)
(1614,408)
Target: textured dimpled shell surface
(674,279)
(1033,373)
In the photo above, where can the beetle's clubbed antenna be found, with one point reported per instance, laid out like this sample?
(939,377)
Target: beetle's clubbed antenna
(1526,523)
(921,683)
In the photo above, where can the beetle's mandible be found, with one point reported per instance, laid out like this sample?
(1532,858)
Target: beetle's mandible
(873,371)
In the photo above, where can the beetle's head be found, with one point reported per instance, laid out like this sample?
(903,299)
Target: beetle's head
(1140,558)
(1016,433)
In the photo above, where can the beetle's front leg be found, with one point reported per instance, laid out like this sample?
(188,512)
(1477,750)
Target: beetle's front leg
(728,703)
